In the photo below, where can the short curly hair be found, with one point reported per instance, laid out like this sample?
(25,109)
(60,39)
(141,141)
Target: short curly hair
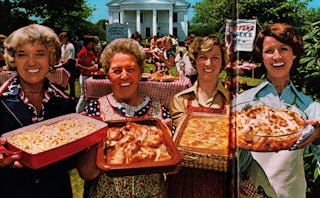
(33,33)
(123,45)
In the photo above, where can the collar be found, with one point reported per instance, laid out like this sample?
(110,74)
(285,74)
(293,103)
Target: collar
(267,92)
(220,88)
(13,87)
(126,109)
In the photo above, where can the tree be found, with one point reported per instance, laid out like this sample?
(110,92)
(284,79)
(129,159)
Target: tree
(310,63)
(270,11)
(61,15)
(210,17)
(212,14)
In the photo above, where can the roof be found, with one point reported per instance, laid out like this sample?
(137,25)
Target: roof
(135,2)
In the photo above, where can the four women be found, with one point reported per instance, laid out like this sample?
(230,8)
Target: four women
(29,98)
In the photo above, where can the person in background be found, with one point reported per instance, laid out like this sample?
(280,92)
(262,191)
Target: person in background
(157,50)
(98,55)
(279,48)
(182,60)
(124,61)
(209,95)
(29,98)
(153,45)
(87,62)
(68,61)
(137,36)
(167,57)
(2,61)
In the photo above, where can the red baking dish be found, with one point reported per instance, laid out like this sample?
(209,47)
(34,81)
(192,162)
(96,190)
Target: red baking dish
(47,157)
(141,167)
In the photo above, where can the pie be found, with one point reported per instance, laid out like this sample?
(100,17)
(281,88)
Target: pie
(264,128)
(135,143)
(49,136)
(206,133)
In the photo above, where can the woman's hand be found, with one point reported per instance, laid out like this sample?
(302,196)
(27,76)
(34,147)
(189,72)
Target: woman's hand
(9,160)
(315,136)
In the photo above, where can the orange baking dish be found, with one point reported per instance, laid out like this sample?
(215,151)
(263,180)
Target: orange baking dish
(147,166)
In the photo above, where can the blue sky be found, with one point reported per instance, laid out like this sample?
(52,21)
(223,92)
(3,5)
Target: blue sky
(102,9)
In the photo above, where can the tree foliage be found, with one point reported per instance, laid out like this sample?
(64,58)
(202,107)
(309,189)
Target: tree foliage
(212,14)
(70,15)
(210,17)
(310,63)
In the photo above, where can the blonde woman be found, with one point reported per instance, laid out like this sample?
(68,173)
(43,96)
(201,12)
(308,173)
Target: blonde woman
(29,98)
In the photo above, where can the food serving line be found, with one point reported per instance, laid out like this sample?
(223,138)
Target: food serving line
(60,76)
(157,90)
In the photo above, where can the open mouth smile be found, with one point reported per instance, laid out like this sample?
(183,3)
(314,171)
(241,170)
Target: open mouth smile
(206,69)
(127,84)
(33,70)
(278,64)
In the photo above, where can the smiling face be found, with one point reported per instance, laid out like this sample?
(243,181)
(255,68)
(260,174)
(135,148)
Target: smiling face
(124,74)
(277,58)
(32,62)
(209,64)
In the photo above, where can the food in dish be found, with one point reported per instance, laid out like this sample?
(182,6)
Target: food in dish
(265,128)
(207,132)
(162,76)
(134,143)
(49,136)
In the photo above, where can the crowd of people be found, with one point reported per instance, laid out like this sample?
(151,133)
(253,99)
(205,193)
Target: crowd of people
(29,97)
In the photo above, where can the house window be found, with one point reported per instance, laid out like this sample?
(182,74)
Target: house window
(141,17)
(175,17)
(175,32)
(148,32)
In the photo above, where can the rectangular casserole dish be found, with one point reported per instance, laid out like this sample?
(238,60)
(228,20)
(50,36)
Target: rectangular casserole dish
(205,151)
(47,157)
(140,167)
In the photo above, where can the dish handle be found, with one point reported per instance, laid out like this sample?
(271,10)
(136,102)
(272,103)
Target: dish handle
(7,151)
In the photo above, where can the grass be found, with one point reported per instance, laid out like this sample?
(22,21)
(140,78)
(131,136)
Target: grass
(76,183)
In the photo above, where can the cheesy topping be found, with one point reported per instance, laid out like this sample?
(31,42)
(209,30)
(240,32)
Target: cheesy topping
(49,136)
(206,133)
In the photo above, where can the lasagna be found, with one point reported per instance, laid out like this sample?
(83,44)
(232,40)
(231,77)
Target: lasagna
(134,143)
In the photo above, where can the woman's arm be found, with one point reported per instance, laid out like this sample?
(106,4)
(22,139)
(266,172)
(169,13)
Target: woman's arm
(86,164)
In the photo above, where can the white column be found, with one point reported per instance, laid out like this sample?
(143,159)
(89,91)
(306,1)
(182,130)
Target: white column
(154,22)
(138,21)
(121,16)
(171,22)
(111,17)
(186,23)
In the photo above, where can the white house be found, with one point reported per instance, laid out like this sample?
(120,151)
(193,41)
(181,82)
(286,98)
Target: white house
(149,17)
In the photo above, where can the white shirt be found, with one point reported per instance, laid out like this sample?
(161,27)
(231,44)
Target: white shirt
(185,60)
(67,52)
